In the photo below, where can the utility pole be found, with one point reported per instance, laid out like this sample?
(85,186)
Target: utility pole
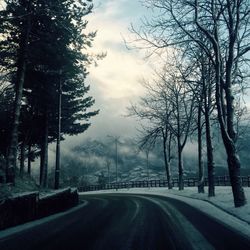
(58,153)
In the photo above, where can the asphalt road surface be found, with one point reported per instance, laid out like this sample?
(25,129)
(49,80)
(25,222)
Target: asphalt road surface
(126,221)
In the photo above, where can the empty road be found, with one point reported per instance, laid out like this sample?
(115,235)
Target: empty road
(126,221)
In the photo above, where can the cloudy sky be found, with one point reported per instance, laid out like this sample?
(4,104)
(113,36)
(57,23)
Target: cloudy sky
(115,81)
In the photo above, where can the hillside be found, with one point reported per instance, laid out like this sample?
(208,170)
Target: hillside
(92,160)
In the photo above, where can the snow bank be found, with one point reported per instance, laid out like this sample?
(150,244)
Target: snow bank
(223,200)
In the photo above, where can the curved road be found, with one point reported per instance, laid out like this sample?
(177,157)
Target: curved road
(126,221)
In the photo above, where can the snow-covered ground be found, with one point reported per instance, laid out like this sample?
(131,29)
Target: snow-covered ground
(220,207)
(223,200)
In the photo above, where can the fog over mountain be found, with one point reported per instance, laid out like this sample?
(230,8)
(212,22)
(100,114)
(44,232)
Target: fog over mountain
(87,159)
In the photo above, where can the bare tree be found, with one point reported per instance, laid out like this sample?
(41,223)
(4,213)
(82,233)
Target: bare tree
(225,25)
(169,110)
(183,107)
(230,17)
(202,86)
(156,110)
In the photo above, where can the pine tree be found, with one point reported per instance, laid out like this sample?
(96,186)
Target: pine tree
(46,45)
(17,27)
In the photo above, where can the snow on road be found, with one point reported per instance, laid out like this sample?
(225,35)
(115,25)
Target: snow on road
(220,207)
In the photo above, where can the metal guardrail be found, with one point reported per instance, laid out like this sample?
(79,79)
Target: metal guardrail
(189,182)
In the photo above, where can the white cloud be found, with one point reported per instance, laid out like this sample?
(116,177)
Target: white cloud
(119,73)
(115,82)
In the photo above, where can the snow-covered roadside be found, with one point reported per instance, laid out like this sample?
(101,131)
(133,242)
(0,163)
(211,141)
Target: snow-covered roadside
(223,200)
(220,207)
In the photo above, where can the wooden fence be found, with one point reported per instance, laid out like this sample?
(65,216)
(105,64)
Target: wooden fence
(189,182)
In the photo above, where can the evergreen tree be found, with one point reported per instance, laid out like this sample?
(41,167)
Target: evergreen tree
(16,27)
(44,46)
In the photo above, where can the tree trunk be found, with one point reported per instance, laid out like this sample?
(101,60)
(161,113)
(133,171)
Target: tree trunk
(234,168)
(180,166)
(29,160)
(179,147)
(210,153)
(167,165)
(210,158)
(12,152)
(41,163)
(58,145)
(169,156)
(21,69)
(22,158)
(200,155)
(228,135)
(234,173)
(233,163)
(44,153)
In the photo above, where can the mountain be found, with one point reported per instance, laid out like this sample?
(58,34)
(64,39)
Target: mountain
(94,161)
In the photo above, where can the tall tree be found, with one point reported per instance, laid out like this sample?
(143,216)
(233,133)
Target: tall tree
(23,26)
(200,78)
(225,25)
(41,39)
(56,60)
